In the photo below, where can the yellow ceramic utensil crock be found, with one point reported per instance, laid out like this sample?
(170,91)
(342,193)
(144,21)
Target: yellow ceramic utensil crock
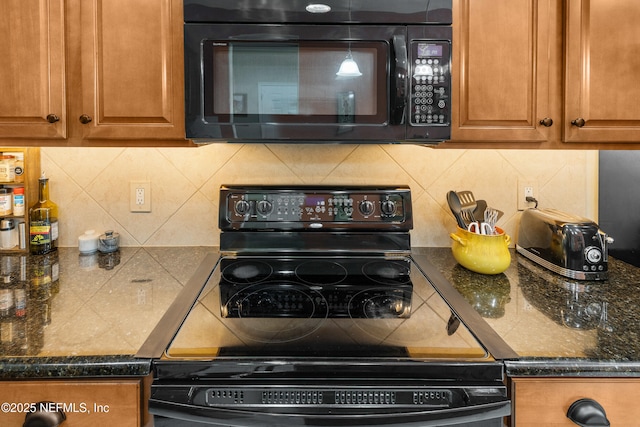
(486,254)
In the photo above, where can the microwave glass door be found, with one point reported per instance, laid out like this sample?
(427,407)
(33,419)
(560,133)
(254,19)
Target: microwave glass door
(295,82)
(287,82)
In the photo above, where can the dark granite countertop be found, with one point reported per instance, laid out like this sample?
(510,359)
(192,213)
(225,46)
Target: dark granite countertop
(68,315)
(557,326)
(72,315)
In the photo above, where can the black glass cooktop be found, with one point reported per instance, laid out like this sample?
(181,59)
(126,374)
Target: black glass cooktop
(300,307)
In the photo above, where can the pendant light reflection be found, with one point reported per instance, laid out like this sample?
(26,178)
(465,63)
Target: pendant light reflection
(349,67)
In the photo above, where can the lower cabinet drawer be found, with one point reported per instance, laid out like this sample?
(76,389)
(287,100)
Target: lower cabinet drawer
(84,402)
(545,401)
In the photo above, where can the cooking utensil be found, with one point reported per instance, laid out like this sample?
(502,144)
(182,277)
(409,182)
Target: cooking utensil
(481,207)
(468,201)
(479,227)
(456,208)
(499,213)
(491,216)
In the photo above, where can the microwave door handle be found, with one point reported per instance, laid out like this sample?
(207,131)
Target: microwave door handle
(398,79)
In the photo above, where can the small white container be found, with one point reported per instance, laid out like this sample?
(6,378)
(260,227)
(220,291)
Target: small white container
(88,242)
(7,234)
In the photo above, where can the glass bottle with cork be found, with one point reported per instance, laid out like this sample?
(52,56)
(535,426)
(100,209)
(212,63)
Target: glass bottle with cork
(43,221)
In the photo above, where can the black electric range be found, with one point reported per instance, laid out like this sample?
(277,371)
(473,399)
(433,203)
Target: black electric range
(315,313)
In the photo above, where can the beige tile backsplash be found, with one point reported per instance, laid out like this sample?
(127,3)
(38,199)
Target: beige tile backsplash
(91,185)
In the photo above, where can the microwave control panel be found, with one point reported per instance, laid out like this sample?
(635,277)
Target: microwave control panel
(430,67)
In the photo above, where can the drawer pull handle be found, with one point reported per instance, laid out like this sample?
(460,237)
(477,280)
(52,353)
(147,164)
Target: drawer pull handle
(44,415)
(588,413)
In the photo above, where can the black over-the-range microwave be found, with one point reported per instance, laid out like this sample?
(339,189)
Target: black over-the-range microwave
(333,71)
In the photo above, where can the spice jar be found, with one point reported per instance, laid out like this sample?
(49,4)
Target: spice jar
(109,242)
(7,234)
(19,167)
(18,201)
(7,168)
(6,201)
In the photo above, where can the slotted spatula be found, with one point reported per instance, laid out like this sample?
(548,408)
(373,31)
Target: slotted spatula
(469,204)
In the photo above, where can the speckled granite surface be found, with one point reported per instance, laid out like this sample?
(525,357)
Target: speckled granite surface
(90,317)
(70,315)
(556,325)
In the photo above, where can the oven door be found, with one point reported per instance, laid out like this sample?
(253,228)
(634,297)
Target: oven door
(235,418)
(295,82)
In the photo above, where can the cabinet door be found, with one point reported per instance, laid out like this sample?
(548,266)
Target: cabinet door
(505,62)
(602,76)
(32,69)
(132,69)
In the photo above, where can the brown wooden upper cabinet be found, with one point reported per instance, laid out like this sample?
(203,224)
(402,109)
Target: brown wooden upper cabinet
(602,62)
(503,59)
(546,73)
(92,72)
(32,69)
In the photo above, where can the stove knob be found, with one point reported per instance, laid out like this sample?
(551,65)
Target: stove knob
(388,207)
(264,207)
(242,207)
(366,207)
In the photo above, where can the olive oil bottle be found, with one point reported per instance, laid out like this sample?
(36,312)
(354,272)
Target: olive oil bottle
(43,221)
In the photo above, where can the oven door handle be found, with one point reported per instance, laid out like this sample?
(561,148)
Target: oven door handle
(167,413)
(398,79)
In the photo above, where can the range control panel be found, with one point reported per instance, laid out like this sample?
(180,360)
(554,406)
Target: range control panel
(430,83)
(323,208)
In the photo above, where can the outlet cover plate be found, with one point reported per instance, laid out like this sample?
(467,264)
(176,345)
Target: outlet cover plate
(140,196)
(521,197)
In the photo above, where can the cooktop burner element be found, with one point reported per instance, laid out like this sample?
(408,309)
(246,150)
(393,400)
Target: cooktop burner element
(289,300)
(372,303)
(276,299)
(247,272)
(387,272)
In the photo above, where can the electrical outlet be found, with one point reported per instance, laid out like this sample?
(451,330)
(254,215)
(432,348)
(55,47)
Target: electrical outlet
(140,198)
(526,188)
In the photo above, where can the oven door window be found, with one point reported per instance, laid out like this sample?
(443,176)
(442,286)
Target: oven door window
(295,82)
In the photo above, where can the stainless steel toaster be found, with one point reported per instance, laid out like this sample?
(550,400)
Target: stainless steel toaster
(566,244)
